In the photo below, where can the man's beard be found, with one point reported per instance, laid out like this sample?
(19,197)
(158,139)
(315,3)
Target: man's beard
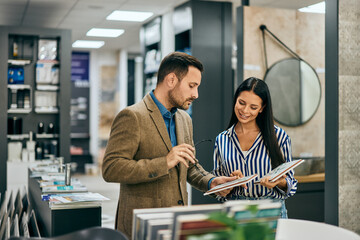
(177,103)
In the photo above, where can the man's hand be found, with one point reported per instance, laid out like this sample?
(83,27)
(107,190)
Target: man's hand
(281,183)
(221,180)
(180,153)
(238,174)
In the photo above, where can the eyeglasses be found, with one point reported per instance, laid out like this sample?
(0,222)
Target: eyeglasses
(201,141)
(197,161)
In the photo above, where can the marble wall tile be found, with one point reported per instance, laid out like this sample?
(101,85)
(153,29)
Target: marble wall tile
(349,37)
(349,114)
(349,102)
(278,21)
(349,211)
(349,157)
(310,36)
(349,10)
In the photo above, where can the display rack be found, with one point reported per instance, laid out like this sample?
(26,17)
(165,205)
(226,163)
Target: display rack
(23,51)
(150,36)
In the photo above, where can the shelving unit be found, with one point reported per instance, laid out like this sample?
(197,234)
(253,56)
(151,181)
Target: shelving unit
(19,48)
(47,136)
(15,137)
(46,110)
(47,87)
(19,111)
(19,98)
(150,37)
(204,30)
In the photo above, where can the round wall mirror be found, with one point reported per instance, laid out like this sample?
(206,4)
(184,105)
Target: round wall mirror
(295,91)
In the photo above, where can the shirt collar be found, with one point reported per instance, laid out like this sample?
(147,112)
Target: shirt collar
(231,131)
(164,112)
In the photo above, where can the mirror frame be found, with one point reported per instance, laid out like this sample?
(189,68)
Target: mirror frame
(318,101)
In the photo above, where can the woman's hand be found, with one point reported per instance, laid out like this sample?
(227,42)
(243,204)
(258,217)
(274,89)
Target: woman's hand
(221,180)
(238,174)
(281,183)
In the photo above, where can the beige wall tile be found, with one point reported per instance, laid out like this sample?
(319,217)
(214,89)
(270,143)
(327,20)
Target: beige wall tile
(303,33)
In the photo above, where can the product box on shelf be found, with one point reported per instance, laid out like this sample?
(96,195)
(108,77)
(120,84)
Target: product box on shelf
(15,75)
(47,73)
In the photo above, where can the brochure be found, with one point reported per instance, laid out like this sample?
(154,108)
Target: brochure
(74,181)
(64,189)
(235,183)
(279,171)
(75,200)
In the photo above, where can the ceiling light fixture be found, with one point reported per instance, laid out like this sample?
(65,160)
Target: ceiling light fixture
(88,44)
(315,8)
(132,16)
(104,32)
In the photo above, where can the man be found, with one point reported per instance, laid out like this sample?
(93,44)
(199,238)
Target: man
(150,151)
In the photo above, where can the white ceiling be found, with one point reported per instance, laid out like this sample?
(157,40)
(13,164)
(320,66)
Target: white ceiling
(82,15)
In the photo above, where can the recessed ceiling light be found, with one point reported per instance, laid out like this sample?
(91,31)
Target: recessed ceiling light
(132,16)
(104,32)
(315,8)
(88,44)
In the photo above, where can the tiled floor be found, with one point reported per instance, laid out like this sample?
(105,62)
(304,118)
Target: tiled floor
(95,183)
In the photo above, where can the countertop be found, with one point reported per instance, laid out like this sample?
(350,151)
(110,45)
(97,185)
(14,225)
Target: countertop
(317,177)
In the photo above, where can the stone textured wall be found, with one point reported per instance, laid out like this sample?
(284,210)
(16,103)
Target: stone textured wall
(303,33)
(349,114)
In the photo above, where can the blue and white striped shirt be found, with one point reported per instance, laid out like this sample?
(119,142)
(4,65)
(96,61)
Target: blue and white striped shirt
(228,157)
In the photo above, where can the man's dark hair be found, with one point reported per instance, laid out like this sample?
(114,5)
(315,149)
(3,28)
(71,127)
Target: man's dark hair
(178,63)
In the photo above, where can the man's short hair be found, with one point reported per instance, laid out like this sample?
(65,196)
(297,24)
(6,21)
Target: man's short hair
(178,63)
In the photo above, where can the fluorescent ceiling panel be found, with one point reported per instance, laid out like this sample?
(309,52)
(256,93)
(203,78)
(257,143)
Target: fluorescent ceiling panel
(132,16)
(88,44)
(315,8)
(105,32)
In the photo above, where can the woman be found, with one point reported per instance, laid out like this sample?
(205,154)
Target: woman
(254,145)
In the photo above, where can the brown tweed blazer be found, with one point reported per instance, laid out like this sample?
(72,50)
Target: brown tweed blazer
(135,157)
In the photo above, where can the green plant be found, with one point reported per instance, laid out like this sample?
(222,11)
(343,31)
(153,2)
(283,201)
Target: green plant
(252,229)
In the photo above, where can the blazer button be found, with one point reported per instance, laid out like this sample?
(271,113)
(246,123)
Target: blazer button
(180,202)
(152,175)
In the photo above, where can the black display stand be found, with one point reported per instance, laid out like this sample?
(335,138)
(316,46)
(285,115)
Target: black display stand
(204,29)
(25,53)
(61,221)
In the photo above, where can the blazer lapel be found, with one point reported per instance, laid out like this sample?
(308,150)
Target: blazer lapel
(158,120)
(180,136)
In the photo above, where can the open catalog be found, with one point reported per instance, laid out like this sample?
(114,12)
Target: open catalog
(281,170)
(235,183)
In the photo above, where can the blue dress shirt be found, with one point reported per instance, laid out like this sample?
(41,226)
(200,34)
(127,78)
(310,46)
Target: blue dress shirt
(168,117)
(170,122)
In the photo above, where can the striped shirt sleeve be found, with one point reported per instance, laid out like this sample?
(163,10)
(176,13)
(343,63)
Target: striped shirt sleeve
(290,180)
